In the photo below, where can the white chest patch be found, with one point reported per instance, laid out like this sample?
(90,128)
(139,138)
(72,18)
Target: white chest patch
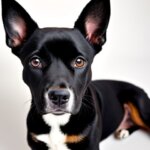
(55,140)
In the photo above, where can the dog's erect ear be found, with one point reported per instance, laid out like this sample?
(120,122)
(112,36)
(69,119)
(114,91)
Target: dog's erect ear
(93,22)
(17,23)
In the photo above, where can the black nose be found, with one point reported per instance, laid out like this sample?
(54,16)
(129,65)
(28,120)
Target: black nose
(59,97)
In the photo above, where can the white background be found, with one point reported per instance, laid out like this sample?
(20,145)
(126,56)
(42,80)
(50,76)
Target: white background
(125,56)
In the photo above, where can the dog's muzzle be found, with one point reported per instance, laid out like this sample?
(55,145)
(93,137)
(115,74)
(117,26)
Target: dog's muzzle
(58,101)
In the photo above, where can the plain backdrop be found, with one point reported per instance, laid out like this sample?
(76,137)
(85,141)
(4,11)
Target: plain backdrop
(125,56)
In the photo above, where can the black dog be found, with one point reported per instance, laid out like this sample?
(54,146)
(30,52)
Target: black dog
(68,111)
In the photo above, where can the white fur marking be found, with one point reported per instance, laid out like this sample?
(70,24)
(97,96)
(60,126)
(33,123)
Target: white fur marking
(55,140)
(54,120)
(123,134)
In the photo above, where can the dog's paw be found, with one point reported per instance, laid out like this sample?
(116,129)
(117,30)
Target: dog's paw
(122,134)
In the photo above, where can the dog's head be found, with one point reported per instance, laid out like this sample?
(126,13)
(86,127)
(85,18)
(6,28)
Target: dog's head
(56,61)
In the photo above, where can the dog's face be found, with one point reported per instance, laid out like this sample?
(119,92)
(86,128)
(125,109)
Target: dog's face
(56,61)
(57,69)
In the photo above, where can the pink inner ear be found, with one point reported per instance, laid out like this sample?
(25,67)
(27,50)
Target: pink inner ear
(19,27)
(91,27)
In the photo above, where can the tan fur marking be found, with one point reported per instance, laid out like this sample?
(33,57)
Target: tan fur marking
(69,138)
(135,116)
(74,138)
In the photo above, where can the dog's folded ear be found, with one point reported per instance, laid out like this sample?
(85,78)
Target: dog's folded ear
(93,22)
(17,23)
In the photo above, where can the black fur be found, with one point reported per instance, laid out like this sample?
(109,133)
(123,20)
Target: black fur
(98,105)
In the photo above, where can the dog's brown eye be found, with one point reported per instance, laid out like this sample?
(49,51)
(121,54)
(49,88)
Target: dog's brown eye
(36,62)
(79,62)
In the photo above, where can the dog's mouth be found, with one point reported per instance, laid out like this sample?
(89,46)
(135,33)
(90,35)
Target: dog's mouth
(57,111)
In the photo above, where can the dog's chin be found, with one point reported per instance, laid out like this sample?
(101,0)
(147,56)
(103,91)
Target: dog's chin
(58,113)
